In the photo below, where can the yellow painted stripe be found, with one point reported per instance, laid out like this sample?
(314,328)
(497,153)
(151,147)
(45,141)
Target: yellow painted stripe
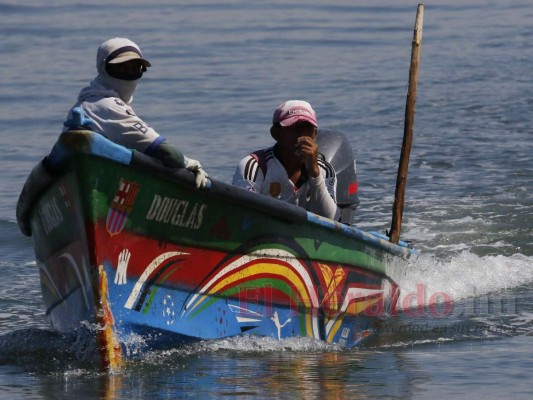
(334,329)
(287,273)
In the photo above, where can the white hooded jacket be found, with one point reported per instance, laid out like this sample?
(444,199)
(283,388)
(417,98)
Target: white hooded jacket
(107,102)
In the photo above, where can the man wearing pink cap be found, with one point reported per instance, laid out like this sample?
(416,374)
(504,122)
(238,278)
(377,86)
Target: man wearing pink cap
(292,170)
(106,101)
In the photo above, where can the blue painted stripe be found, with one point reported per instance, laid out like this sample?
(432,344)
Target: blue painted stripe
(361,235)
(385,237)
(102,147)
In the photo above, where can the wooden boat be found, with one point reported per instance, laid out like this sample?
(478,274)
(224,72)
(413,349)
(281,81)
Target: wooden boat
(128,247)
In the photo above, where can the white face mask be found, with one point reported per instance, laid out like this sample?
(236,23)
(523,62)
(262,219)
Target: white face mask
(125,89)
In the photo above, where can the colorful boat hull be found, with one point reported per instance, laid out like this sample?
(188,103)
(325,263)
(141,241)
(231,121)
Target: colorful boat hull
(133,249)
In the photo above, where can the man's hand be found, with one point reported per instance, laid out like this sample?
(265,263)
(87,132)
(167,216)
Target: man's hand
(200,176)
(307,150)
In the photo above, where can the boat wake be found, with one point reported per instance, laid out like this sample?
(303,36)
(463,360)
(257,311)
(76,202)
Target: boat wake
(428,280)
(467,297)
(250,345)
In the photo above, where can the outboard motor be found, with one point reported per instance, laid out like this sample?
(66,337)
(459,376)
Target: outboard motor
(336,149)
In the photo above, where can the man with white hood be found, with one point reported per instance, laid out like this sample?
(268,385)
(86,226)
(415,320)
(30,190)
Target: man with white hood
(107,99)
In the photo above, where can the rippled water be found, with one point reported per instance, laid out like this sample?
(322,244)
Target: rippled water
(219,69)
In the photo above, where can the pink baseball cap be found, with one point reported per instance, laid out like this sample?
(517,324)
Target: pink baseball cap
(293,111)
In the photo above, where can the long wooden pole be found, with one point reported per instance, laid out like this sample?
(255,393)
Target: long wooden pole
(401,180)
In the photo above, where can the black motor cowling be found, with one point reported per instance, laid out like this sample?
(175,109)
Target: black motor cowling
(336,149)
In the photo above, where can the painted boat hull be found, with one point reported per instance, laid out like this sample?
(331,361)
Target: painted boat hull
(131,249)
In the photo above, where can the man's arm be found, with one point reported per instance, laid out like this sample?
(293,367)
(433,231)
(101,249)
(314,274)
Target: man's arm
(323,192)
(248,175)
(169,155)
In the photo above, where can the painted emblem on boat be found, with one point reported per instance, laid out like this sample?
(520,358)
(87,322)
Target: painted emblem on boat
(279,325)
(122,267)
(121,206)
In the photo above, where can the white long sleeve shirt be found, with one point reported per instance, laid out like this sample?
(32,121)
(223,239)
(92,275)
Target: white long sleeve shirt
(263,173)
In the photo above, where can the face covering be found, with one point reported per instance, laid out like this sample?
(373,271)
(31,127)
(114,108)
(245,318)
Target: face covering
(120,65)
(124,88)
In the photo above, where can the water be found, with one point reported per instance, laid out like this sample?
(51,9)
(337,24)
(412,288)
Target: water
(219,70)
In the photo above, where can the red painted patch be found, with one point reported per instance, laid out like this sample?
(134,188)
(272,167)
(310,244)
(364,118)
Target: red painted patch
(353,187)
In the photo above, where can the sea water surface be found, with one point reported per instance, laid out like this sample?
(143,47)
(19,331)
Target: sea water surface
(465,329)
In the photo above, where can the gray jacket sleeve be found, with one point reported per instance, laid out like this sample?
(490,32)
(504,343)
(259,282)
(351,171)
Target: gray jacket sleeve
(169,155)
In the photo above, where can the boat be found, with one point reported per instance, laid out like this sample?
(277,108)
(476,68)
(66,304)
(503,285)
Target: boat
(126,247)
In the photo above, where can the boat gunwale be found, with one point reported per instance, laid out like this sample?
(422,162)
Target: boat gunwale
(92,144)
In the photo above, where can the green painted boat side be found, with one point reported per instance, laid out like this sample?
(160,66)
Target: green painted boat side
(202,220)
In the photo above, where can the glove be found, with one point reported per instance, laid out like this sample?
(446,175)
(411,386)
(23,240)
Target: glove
(200,176)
